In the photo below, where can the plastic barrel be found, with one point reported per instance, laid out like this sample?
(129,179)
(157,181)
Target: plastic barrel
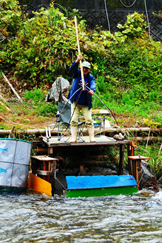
(14,164)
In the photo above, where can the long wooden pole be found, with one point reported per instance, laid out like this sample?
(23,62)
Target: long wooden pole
(81,67)
(4,103)
(109,130)
(12,87)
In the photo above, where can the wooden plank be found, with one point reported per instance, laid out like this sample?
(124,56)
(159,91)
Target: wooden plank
(44,158)
(100,111)
(138,157)
(39,185)
(100,140)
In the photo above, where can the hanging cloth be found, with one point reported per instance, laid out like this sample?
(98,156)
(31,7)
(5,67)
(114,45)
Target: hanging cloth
(60,85)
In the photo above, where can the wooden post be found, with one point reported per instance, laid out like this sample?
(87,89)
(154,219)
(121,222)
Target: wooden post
(50,151)
(11,135)
(104,125)
(81,170)
(136,168)
(130,152)
(139,173)
(121,161)
(45,167)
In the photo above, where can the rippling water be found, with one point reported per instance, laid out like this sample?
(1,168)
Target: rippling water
(37,218)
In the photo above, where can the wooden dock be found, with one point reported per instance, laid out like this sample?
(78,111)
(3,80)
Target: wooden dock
(100,140)
(53,143)
(75,157)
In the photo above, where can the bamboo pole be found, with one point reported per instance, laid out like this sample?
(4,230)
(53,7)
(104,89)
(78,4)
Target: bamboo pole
(81,67)
(55,132)
(7,108)
(12,87)
(4,103)
(146,138)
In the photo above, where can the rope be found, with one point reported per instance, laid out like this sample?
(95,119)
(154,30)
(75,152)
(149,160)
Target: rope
(60,183)
(147,19)
(107,16)
(69,99)
(141,177)
(76,102)
(129,5)
(61,7)
(65,106)
(108,109)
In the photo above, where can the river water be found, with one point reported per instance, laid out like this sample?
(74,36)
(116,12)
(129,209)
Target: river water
(31,217)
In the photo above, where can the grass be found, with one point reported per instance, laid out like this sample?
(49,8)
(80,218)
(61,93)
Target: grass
(34,113)
(26,115)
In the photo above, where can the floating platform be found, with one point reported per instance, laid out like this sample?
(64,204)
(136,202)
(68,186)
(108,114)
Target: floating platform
(96,186)
(53,143)
(82,185)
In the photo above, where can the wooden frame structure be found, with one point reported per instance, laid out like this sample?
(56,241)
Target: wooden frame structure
(45,166)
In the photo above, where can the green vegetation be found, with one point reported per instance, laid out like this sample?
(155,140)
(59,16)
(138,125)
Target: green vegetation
(36,98)
(154,153)
(127,64)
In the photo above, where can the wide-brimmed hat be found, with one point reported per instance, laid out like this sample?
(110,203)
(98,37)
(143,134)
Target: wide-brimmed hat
(86,64)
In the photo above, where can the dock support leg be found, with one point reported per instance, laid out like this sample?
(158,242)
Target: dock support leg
(130,152)
(136,168)
(50,151)
(52,179)
(81,170)
(121,162)
(139,173)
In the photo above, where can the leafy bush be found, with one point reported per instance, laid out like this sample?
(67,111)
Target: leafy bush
(36,95)
(11,17)
(37,98)
(46,109)
(126,64)
(135,26)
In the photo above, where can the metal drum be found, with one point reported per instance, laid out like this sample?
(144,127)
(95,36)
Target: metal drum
(14,164)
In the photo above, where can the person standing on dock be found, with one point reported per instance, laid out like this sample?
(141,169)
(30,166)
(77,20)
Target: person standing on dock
(81,99)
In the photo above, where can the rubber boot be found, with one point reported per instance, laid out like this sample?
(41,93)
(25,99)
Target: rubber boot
(91,134)
(73,138)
